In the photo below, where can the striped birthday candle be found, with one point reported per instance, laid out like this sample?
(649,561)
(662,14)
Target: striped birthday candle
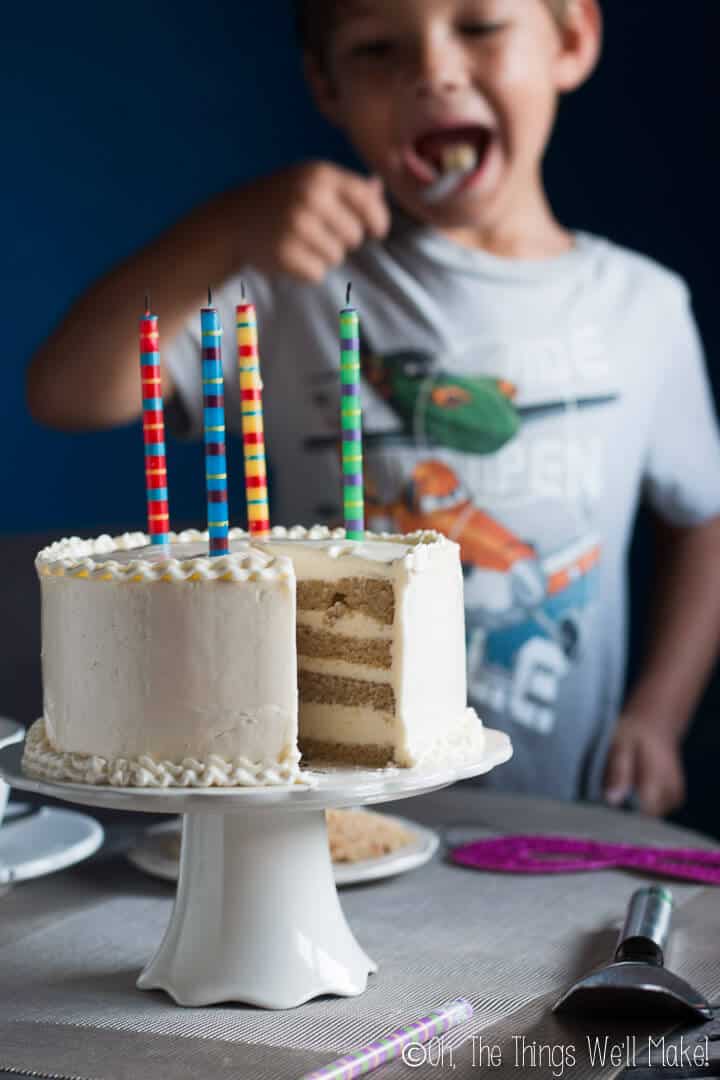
(156,484)
(214,425)
(351,422)
(253,429)
(393,1046)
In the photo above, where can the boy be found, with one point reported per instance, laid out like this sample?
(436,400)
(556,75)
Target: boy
(522,383)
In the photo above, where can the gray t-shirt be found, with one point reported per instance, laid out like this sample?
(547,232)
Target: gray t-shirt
(519,406)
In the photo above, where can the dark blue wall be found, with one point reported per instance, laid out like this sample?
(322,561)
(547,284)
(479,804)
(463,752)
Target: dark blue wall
(119,117)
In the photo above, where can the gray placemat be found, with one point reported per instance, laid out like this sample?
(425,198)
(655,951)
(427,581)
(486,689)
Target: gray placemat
(71,948)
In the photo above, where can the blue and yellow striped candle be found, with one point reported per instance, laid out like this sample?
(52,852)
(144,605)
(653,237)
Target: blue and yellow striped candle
(351,422)
(214,423)
(156,484)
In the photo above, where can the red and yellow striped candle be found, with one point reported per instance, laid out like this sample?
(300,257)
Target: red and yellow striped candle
(252,421)
(154,431)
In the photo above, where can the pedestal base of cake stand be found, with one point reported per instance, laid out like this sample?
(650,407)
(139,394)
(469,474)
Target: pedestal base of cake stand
(257,917)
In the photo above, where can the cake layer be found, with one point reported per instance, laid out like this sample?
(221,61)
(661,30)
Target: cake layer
(323,644)
(372,755)
(374,599)
(339,690)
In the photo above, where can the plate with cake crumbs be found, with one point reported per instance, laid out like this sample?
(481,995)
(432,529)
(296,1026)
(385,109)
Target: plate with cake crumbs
(364,846)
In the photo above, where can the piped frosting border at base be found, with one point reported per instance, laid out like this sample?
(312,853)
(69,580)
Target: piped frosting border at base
(43,761)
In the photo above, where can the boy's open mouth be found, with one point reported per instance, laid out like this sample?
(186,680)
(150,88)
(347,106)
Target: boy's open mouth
(442,151)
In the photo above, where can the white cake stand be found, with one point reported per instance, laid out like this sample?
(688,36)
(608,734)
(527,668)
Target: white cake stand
(257,917)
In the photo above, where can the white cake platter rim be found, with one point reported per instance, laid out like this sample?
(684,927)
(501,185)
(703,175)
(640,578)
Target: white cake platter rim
(337,786)
(422,844)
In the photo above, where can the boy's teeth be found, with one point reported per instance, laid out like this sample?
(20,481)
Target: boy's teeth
(459,157)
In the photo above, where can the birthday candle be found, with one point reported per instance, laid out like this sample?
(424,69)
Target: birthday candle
(214,422)
(153,430)
(351,422)
(370,1057)
(253,429)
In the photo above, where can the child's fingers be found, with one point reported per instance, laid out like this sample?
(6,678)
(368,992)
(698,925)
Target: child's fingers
(661,784)
(367,200)
(300,261)
(320,238)
(649,788)
(329,212)
(619,773)
(345,224)
(652,801)
(657,797)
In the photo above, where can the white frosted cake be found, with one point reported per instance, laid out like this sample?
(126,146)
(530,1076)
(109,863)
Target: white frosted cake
(177,669)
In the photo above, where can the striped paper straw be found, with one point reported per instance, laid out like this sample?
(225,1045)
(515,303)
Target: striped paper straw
(251,406)
(214,421)
(153,430)
(351,422)
(370,1057)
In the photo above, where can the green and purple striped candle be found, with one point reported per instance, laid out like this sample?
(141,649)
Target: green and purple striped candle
(351,422)
(360,1062)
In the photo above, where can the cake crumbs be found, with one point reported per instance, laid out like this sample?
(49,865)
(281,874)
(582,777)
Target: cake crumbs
(356,835)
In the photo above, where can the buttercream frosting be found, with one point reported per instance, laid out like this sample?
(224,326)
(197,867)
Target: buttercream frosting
(196,684)
(43,760)
(131,557)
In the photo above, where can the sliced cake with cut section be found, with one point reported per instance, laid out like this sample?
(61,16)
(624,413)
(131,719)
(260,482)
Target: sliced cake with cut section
(171,668)
(380,643)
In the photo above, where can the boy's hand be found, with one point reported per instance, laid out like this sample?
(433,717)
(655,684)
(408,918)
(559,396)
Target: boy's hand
(306,219)
(645,758)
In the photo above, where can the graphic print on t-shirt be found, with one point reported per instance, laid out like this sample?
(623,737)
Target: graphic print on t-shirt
(508,468)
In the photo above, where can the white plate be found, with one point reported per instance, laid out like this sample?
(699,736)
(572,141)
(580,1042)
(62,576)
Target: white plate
(10,731)
(48,840)
(420,849)
(152,857)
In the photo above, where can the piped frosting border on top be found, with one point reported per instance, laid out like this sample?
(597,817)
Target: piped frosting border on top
(92,558)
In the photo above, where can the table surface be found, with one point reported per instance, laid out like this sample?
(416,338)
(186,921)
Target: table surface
(71,946)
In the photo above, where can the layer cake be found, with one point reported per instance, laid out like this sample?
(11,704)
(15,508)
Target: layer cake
(174,669)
